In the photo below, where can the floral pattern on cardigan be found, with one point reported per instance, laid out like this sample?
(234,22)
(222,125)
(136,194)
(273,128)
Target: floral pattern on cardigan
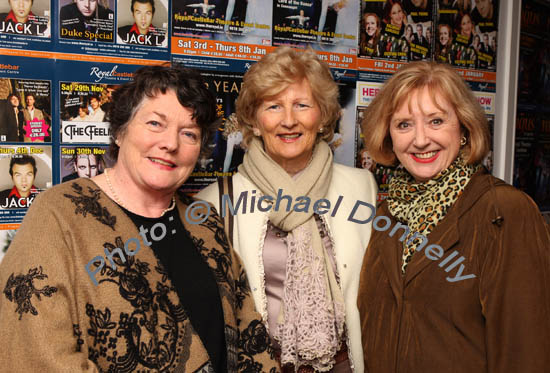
(133,320)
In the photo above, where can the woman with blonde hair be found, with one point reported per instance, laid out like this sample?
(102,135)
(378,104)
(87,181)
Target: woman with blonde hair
(302,256)
(477,297)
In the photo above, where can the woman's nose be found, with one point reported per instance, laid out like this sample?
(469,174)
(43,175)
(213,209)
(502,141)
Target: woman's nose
(421,138)
(289,118)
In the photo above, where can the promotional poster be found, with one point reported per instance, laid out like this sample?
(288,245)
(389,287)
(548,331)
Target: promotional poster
(532,157)
(145,23)
(487,102)
(67,57)
(27,171)
(534,56)
(227,152)
(30,101)
(296,23)
(114,29)
(87,20)
(466,33)
(395,30)
(82,111)
(241,21)
(25,24)
(203,18)
(337,26)
(83,161)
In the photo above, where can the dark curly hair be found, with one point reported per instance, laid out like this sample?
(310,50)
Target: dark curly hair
(150,81)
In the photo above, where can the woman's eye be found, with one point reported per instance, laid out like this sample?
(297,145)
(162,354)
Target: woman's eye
(301,106)
(153,123)
(403,125)
(273,107)
(437,121)
(191,135)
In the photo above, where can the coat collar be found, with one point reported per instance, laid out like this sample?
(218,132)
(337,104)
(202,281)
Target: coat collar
(446,234)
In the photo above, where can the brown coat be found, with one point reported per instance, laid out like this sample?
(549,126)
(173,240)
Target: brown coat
(497,322)
(54,319)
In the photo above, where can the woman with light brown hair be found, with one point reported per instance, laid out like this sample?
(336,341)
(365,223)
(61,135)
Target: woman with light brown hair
(303,263)
(444,42)
(478,297)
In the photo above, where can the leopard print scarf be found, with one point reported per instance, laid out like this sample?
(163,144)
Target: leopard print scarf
(422,205)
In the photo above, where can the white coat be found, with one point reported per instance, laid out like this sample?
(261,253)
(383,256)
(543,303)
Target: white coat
(349,239)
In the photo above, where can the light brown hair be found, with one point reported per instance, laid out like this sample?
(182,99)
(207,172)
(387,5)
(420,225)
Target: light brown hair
(442,81)
(273,74)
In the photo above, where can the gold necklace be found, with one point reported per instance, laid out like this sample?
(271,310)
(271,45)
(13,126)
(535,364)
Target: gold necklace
(119,202)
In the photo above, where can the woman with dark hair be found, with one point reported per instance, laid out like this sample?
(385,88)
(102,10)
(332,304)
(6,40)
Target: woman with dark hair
(459,263)
(395,18)
(112,274)
(370,35)
(302,263)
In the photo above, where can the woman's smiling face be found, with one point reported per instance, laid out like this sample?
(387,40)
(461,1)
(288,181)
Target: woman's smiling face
(288,124)
(425,135)
(160,146)
(371,25)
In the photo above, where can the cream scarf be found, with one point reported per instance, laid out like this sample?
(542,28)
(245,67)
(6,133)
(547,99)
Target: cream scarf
(311,322)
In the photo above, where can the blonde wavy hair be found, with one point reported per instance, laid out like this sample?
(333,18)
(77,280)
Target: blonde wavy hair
(442,81)
(273,74)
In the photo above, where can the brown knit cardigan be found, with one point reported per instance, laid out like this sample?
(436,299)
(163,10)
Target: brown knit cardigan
(54,319)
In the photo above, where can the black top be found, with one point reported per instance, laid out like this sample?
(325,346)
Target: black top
(191,276)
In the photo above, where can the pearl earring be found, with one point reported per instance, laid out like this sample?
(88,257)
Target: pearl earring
(256,132)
